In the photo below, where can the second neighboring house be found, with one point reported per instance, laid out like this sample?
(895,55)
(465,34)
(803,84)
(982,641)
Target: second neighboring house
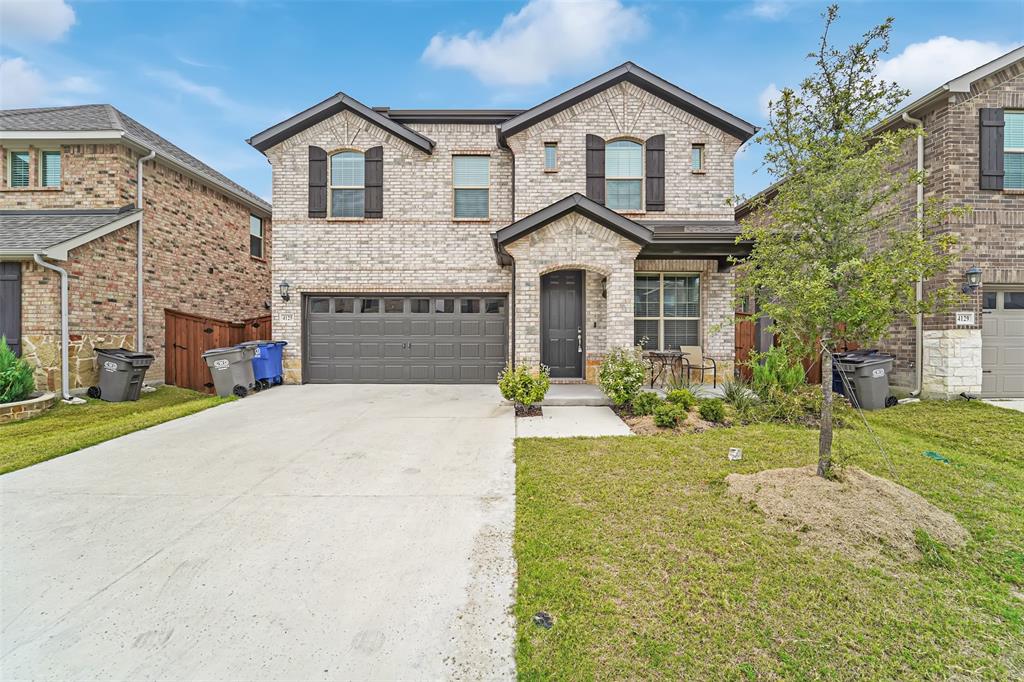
(69,200)
(433,245)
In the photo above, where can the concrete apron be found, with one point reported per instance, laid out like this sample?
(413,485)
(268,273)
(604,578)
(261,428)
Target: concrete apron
(314,532)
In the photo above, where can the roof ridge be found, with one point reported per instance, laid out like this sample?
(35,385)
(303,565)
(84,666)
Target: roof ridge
(115,117)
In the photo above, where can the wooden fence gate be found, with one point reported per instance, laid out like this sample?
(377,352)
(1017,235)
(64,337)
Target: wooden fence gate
(189,336)
(746,343)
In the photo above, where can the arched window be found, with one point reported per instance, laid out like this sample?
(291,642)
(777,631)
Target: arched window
(347,185)
(623,172)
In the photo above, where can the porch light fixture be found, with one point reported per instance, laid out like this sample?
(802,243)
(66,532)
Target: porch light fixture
(604,287)
(284,287)
(973,277)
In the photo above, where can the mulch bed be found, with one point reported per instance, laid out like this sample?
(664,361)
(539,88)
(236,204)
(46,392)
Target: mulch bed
(530,411)
(645,426)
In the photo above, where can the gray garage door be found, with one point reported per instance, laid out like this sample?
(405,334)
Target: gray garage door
(1002,344)
(405,339)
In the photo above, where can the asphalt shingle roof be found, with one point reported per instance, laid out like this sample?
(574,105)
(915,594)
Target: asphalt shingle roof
(89,117)
(39,230)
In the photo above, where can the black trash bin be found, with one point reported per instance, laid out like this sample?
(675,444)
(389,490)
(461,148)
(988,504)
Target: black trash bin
(121,372)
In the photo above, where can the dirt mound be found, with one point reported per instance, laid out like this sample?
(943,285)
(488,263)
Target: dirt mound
(860,515)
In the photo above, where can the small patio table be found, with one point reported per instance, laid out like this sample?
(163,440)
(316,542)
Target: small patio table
(664,360)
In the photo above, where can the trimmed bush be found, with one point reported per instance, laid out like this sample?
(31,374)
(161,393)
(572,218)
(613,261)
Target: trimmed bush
(524,385)
(16,380)
(645,402)
(622,374)
(774,370)
(712,410)
(668,415)
(682,397)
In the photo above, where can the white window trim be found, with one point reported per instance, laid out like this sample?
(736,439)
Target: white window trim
(661,317)
(1012,150)
(552,169)
(487,187)
(331,187)
(703,157)
(10,164)
(640,178)
(41,154)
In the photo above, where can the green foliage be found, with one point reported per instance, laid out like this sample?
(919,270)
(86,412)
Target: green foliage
(16,380)
(933,553)
(682,397)
(645,402)
(622,374)
(668,415)
(739,394)
(801,407)
(523,385)
(712,410)
(775,370)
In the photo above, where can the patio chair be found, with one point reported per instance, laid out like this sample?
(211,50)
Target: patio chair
(695,360)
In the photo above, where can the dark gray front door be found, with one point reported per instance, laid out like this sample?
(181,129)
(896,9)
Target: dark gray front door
(10,304)
(561,322)
(394,339)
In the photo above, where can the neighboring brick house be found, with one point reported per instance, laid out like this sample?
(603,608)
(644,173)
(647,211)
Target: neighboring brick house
(973,155)
(432,245)
(68,198)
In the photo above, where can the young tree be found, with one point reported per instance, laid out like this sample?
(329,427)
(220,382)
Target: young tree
(835,257)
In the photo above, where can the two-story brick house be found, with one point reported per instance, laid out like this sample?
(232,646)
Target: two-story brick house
(432,245)
(69,199)
(972,152)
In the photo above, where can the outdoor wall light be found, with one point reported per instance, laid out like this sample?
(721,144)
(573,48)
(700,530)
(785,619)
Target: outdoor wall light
(973,277)
(604,287)
(284,287)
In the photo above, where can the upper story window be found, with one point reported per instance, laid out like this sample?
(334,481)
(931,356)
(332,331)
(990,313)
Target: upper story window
(1013,150)
(17,169)
(256,236)
(49,169)
(697,158)
(550,156)
(623,172)
(471,182)
(347,195)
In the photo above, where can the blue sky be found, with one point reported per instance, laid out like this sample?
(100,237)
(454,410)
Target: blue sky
(207,75)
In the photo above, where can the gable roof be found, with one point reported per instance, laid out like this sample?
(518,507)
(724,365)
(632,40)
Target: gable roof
(631,73)
(91,121)
(55,232)
(579,204)
(329,107)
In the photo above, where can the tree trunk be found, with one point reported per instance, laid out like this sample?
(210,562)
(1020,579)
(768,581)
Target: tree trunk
(825,436)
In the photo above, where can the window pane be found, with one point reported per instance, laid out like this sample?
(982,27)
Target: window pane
(421,305)
(623,159)
(1013,130)
(394,305)
(682,296)
(444,305)
(472,171)
(623,194)
(495,305)
(51,169)
(1013,170)
(988,301)
(645,296)
(471,203)
(645,334)
(347,203)
(344,305)
(550,156)
(319,305)
(680,333)
(347,169)
(256,246)
(255,226)
(369,305)
(19,169)
(471,305)
(1013,300)
(697,157)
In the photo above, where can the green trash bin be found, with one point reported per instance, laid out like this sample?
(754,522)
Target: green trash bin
(868,376)
(121,373)
(232,370)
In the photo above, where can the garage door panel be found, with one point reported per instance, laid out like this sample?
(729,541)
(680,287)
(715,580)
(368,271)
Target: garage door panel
(470,351)
(421,373)
(444,328)
(494,351)
(1002,343)
(340,327)
(1013,357)
(494,328)
(421,349)
(396,328)
(394,350)
(320,327)
(471,327)
(421,327)
(1014,328)
(444,373)
(373,327)
(343,349)
(444,350)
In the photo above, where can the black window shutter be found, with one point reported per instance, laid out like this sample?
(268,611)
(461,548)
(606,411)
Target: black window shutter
(373,177)
(595,168)
(990,150)
(317,183)
(655,173)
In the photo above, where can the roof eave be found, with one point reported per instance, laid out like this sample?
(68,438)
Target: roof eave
(575,203)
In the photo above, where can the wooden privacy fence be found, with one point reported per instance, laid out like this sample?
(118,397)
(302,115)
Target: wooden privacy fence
(189,336)
(746,343)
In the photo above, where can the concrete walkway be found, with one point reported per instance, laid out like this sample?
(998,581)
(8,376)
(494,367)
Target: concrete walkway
(308,533)
(1011,404)
(567,422)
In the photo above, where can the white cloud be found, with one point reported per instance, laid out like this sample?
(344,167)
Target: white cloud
(921,67)
(210,94)
(769,9)
(23,85)
(544,38)
(768,95)
(45,20)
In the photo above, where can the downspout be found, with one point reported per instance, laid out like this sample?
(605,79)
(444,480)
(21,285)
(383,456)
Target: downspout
(65,381)
(140,338)
(919,293)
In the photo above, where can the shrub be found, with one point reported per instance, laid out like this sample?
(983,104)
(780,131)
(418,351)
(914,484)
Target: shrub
(682,397)
(668,415)
(775,370)
(645,403)
(523,385)
(622,374)
(738,394)
(16,380)
(712,410)
(802,406)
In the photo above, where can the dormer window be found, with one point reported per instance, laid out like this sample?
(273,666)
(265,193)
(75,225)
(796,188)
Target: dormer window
(623,172)
(347,185)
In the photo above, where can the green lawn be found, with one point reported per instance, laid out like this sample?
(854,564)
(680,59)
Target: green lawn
(67,428)
(652,570)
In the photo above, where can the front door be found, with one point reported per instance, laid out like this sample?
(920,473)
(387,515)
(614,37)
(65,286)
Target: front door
(561,323)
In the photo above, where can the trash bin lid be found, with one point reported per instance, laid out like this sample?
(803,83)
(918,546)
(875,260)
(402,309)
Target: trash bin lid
(124,353)
(221,351)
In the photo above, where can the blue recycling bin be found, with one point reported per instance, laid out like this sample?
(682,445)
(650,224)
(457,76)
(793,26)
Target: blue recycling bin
(267,361)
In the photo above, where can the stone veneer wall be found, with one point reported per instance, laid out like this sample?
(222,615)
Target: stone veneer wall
(25,409)
(952,362)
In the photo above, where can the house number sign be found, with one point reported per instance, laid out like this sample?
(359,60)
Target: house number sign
(964,319)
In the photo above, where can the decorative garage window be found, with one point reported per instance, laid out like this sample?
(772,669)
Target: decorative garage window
(49,169)
(1013,150)
(666,311)
(471,182)
(255,236)
(17,164)
(623,172)
(347,185)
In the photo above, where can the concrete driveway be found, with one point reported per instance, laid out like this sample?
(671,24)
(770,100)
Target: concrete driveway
(313,532)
